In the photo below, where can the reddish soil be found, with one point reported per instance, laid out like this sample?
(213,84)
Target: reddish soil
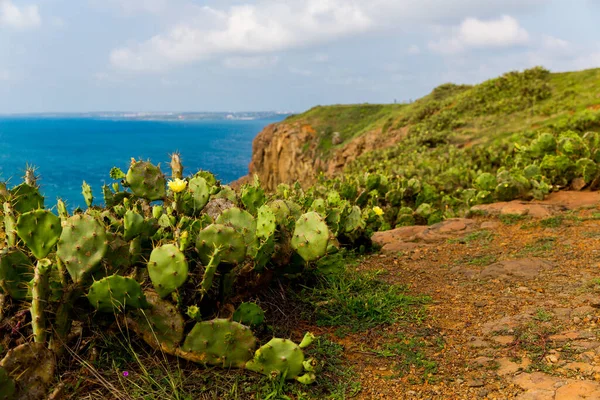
(514,310)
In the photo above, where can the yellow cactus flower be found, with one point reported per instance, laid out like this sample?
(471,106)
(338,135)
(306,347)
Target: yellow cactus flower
(177,185)
(378,210)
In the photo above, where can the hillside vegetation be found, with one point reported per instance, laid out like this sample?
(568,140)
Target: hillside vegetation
(521,135)
(514,102)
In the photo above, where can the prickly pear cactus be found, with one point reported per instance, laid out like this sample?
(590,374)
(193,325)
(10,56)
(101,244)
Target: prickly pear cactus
(319,206)
(253,196)
(220,342)
(7,386)
(61,207)
(86,191)
(231,244)
(39,293)
(25,198)
(279,356)
(310,237)
(160,325)
(209,272)
(353,220)
(39,230)
(10,225)
(133,224)
(264,252)
(168,269)
(266,223)
(197,196)
(242,221)
(117,256)
(82,245)
(285,211)
(115,293)
(146,180)
(15,271)
(249,314)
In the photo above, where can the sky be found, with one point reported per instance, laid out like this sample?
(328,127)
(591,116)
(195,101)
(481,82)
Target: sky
(282,55)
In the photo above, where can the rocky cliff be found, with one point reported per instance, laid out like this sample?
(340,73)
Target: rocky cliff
(288,152)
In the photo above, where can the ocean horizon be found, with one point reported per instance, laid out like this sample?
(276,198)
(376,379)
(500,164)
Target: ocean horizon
(66,150)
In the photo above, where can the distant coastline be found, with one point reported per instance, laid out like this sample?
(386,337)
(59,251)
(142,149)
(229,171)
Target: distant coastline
(156,116)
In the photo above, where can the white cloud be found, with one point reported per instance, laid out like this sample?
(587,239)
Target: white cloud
(250,62)
(475,33)
(245,30)
(554,43)
(24,17)
(135,6)
(249,28)
(4,75)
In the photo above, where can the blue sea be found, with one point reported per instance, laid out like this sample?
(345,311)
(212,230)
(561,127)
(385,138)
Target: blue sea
(67,151)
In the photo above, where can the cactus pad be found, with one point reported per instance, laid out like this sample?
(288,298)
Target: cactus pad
(233,248)
(117,255)
(146,180)
(116,292)
(161,325)
(197,196)
(285,210)
(253,197)
(86,191)
(39,230)
(353,220)
(242,221)
(266,222)
(168,269)
(10,225)
(15,270)
(82,245)
(263,253)
(220,342)
(26,198)
(39,293)
(249,314)
(279,356)
(133,223)
(310,236)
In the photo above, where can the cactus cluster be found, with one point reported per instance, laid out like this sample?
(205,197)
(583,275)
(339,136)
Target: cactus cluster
(200,247)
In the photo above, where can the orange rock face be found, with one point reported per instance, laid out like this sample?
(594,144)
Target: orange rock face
(287,153)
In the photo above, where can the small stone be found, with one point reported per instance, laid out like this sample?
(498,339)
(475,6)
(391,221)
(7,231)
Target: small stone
(552,358)
(576,320)
(504,340)
(475,383)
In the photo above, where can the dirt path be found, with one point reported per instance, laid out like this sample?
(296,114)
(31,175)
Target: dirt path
(515,308)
